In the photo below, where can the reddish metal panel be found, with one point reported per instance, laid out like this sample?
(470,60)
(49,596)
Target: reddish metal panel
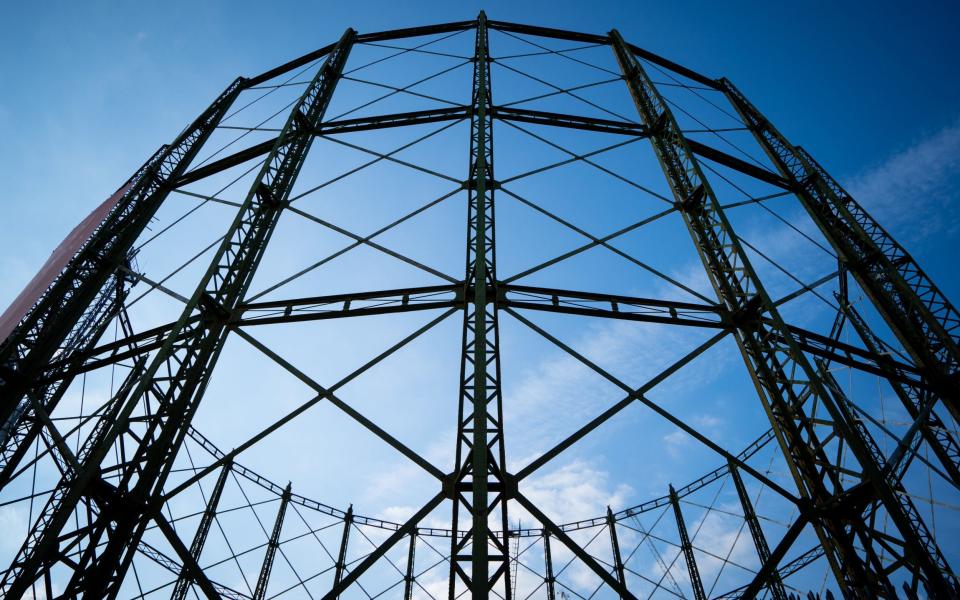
(59,258)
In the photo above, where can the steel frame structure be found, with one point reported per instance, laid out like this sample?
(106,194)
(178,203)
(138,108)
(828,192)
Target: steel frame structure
(812,421)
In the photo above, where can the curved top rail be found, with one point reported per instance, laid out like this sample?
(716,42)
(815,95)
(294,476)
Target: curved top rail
(598,521)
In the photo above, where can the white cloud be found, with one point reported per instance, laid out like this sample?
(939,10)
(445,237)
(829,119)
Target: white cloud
(574,491)
(675,443)
(397,514)
(914,191)
(560,394)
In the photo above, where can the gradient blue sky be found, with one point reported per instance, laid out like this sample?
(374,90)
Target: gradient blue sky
(90,91)
(90,88)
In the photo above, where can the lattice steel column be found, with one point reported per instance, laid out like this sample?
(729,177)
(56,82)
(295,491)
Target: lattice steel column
(784,377)
(71,303)
(919,404)
(480,450)
(22,427)
(174,383)
(923,319)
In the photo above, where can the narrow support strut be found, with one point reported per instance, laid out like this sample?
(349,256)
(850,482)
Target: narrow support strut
(410,577)
(341,565)
(182,586)
(615,549)
(775,585)
(687,548)
(263,580)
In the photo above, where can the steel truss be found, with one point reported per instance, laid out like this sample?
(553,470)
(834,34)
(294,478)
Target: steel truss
(846,504)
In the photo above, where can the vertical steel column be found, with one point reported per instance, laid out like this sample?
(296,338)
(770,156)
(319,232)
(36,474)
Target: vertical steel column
(615,548)
(75,298)
(549,579)
(736,286)
(919,405)
(775,585)
(921,317)
(410,577)
(480,450)
(174,383)
(687,547)
(782,375)
(344,540)
(182,586)
(263,580)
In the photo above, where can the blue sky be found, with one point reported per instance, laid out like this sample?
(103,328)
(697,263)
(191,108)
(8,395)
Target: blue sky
(80,78)
(90,92)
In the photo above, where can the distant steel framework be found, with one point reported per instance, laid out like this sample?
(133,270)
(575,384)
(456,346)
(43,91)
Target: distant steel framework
(115,486)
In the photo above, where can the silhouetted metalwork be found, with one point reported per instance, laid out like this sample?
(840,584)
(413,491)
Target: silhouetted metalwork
(849,491)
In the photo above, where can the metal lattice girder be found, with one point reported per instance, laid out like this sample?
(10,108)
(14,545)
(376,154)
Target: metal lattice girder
(101,567)
(313,308)
(341,563)
(784,378)
(73,487)
(919,404)
(22,426)
(651,310)
(572,302)
(923,319)
(74,310)
(479,486)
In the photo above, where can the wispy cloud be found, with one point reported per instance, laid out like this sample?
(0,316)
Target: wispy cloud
(914,190)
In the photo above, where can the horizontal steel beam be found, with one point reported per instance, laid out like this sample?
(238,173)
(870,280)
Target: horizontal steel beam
(629,308)
(408,32)
(225,163)
(736,164)
(329,128)
(676,68)
(611,306)
(549,32)
(379,36)
(650,310)
(569,121)
(289,66)
(503,113)
(314,308)
(418,117)
(345,305)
